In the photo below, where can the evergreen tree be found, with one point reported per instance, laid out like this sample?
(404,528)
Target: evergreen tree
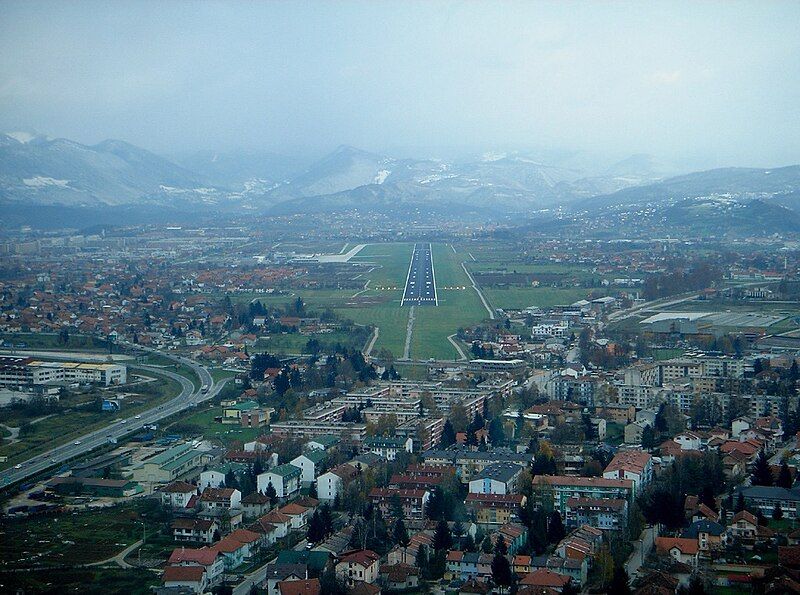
(400,534)
(500,547)
(619,584)
(784,477)
(739,503)
(442,540)
(777,512)
(271,493)
(448,435)
(501,571)
(762,474)
(555,528)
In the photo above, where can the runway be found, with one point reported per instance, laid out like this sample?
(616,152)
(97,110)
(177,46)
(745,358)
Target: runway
(420,287)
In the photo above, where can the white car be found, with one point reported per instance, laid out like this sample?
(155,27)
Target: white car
(137,417)
(77,443)
(18,466)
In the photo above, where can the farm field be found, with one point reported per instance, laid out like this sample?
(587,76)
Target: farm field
(75,537)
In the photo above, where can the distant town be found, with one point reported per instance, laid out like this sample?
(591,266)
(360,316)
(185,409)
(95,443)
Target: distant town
(238,409)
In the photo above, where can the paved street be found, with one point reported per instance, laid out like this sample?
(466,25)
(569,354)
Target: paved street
(188,397)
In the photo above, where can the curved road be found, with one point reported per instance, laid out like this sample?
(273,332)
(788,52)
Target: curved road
(188,397)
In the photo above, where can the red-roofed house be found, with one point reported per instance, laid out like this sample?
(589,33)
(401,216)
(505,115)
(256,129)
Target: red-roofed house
(543,578)
(191,577)
(208,558)
(358,565)
(177,494)
(309,586)
(682,549)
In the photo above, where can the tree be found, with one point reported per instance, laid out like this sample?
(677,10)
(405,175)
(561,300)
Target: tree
(442,540)
(230,480)
(497,434)
(421,561)
(271,493)
(649,438)
(501,571)
(458,417)
(619,583)
(448,435)
(777,512)
(569,589)
(435,508)
(400,534)
(762,474)
(784,476)
(739,503)
(555,528)
(500,547)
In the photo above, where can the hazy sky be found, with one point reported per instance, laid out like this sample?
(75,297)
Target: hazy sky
(714,82)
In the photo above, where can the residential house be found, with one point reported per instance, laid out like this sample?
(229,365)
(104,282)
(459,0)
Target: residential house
(281,522)
(358,565)
(194,530)
(309,586)
(498,478)
(388,447)
(495,509)
(682,549)
(276,573)
(709,535)
(298,514)
(399,577)
(224,498)
(542,580)
(284,478)
(177,494)
(208,558)
(631,464)
(413,502)
(255,504)
(191,578)
(310,463)
(610,514)
(332,484)
(463,566)
(325,442)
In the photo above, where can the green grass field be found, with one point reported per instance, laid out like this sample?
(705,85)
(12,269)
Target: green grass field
(52,341)
(516,298)
(295,342)
(211,429)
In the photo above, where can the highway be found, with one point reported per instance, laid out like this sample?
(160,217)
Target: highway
(188,397)
(420,287)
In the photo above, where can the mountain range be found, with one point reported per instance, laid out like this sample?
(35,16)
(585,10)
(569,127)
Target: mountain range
(37,171)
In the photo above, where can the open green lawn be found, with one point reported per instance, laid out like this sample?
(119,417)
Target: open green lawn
(76,537)
(391,263)
(52,341)
(517,298)
(69,425)
(390,319)
(203,420)
(295,342)
(433,325)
